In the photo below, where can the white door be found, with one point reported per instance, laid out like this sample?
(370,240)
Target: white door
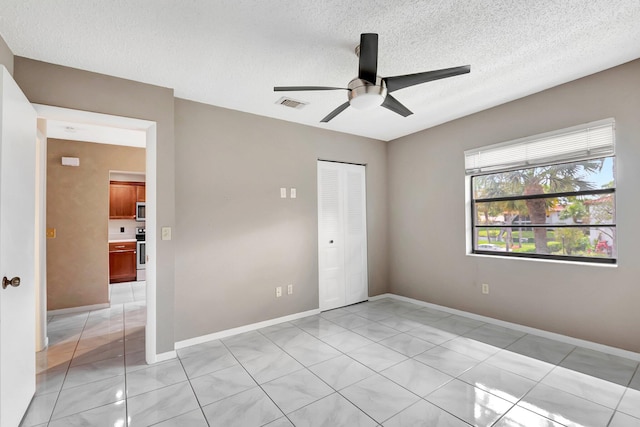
(17,242)
(342,234)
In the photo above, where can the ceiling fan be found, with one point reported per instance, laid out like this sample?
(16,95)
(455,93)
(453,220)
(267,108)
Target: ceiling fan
(369,90)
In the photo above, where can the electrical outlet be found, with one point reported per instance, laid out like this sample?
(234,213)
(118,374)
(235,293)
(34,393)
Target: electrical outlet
(485,288)
(290,289)
(122,229)
(294,193)
(283,193)
(278,291)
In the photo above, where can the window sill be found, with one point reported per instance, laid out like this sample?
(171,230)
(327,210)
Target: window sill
(554,261)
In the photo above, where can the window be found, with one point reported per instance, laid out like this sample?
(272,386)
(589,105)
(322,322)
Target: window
(550,196)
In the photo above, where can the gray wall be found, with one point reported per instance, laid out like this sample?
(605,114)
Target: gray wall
(50,84)
(6,56)
(427,218)
(236,238)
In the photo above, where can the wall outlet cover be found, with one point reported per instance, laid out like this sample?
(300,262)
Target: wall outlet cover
(166,233)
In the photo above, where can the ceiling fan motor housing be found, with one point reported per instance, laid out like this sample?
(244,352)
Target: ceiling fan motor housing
(364,95)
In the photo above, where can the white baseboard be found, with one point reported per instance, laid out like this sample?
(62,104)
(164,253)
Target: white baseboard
(157,358)
(539,332)
(77,309)
(242,329)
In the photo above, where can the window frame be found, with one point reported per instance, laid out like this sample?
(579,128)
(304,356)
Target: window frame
(528,255)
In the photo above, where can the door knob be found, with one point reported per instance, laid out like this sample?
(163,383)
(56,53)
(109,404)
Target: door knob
(15,282)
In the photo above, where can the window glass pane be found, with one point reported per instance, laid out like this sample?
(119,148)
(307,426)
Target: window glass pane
(598,242)
(577,176)
(587,209)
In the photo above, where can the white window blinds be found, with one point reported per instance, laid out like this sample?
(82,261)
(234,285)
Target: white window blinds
(582,142)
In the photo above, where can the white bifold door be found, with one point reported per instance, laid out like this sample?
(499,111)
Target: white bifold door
(342,234)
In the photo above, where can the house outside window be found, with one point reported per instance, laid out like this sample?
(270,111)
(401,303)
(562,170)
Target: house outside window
(550,196)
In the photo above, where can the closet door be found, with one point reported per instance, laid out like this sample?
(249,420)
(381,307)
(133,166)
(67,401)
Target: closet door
(355,234)
(342,241)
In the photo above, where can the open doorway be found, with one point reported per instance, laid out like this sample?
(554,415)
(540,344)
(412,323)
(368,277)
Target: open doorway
(75,125)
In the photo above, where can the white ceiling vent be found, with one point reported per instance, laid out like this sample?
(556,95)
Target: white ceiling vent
(292,103)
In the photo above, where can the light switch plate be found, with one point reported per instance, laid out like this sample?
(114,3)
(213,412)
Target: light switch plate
(166,233)
(283,193)
(294,193)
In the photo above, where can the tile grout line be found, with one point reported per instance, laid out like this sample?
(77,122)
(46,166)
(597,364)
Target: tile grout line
(67,370)
(370,322)
(257,383)
(206,420)
(636,372)
(314,374)
(88,317)
(356,361)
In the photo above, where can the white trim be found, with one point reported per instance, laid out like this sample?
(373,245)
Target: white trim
(157,358)
(151,225)
(78,309)
(150,128)
(534,331)
(242,329)
(557,261)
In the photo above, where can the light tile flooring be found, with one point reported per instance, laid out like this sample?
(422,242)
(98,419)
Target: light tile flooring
(386,362)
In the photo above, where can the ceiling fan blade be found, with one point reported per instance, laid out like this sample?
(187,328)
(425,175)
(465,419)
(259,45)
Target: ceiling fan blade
(302,88)
(335,112)
(390,103)
(400,82)
(368,65)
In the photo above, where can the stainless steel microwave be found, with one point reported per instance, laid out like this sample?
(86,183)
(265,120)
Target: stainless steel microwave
(141,211)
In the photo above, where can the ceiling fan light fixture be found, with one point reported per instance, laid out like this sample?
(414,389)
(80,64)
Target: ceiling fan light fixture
(366,96)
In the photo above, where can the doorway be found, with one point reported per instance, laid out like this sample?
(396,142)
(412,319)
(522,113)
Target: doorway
(95,127)
(342,234)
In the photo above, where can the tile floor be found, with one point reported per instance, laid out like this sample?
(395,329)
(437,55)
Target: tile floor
(386,363)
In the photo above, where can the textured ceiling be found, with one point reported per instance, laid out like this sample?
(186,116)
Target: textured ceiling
(232,53)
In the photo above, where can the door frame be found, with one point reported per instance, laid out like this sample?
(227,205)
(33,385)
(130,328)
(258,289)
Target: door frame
(150,128)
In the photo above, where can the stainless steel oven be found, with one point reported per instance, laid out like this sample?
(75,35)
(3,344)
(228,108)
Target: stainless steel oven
(141,262)
(141,255)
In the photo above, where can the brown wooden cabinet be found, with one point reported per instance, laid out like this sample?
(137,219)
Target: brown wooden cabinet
(141,193)
(123,197)
(122,262)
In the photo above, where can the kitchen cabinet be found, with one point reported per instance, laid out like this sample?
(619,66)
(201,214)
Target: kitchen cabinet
(122,262)
(123,197)
(140,193)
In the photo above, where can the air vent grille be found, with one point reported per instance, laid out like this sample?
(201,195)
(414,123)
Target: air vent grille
(291,103)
